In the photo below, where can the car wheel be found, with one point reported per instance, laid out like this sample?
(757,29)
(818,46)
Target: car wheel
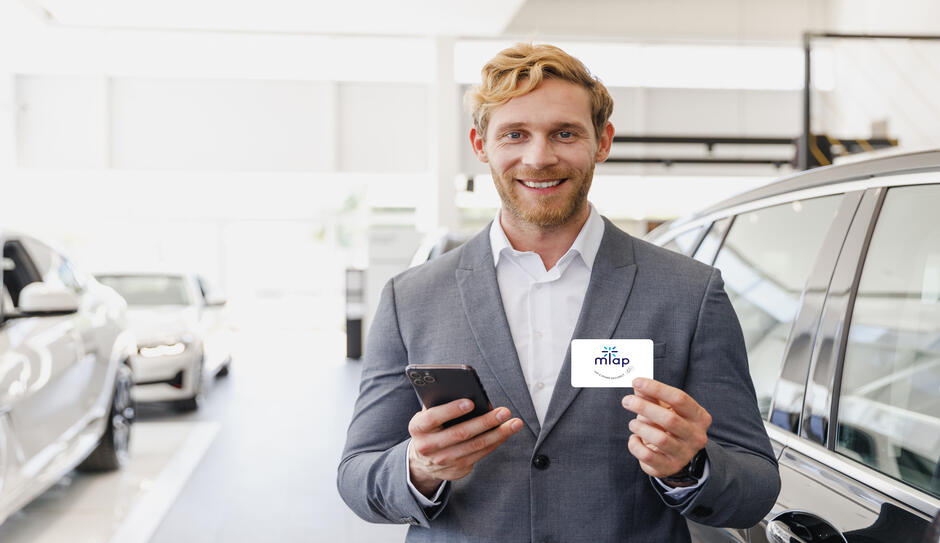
(112,451)
(192,404)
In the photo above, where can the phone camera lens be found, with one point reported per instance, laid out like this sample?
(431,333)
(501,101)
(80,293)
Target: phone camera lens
(414,375)
(419,382)
(429,379)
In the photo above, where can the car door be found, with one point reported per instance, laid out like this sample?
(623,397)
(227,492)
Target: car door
(861,460)
(768,255)
(37,353)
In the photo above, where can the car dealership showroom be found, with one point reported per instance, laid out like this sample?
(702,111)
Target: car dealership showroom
(682,257)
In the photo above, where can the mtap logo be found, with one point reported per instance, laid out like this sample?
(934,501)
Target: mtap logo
(609,365)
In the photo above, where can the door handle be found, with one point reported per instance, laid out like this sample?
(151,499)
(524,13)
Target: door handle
(801,527)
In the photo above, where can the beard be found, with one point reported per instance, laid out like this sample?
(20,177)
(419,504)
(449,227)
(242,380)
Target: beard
(547,210)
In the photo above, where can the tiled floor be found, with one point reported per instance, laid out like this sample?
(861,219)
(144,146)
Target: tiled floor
(256,463)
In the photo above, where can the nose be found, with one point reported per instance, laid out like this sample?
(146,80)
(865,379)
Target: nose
(539,154)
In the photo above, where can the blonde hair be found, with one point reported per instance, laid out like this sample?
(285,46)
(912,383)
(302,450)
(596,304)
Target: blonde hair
(520,69)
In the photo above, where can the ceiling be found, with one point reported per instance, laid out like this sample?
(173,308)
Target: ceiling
(767,21)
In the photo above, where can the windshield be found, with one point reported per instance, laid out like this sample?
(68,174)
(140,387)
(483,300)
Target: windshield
(149,289)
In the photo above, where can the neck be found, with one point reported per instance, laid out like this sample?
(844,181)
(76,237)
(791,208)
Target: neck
(549,242)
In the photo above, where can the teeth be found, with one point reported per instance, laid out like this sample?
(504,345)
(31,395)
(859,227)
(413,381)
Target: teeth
(543,185)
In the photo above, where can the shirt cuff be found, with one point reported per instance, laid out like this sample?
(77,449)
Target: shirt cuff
(436,500)
(678,493)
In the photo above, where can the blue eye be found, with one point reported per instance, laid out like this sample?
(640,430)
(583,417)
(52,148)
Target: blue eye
(514,135)
(565,134)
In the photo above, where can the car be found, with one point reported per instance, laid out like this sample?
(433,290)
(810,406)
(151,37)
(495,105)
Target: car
(835,277)
(182,335)
(64,376)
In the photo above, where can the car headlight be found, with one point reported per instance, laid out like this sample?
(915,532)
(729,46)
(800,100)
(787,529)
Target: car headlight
(154,351)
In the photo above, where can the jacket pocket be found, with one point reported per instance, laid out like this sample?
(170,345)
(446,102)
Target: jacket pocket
(659,350)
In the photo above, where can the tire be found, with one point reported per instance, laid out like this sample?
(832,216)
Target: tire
(112,451)
(192,404)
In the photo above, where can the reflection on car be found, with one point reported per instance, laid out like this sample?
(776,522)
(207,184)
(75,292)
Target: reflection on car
(64,379)
(182,334)
(835,276)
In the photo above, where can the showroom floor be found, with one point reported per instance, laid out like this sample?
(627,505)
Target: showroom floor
(256,463)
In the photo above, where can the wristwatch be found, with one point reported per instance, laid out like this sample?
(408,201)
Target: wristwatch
(691,473)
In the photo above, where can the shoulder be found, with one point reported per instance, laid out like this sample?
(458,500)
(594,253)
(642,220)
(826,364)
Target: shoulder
(440,272)
(663,265)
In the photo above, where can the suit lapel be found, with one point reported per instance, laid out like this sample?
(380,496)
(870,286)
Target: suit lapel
(479,293)
(611,282)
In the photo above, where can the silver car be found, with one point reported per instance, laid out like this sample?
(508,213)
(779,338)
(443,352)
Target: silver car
(64,379)
(835,276)
(182,333)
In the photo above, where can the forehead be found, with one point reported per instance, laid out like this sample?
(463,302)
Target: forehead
(553,102)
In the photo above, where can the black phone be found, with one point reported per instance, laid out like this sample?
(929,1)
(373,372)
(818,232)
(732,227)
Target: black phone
(438,384)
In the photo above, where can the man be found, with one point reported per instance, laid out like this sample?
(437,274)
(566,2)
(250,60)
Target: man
(552,462)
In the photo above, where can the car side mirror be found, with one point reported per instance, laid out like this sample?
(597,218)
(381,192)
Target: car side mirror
(42,299)
(215,302)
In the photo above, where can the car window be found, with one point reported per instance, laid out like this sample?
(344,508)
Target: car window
(18,270)
(765,262)
(53,267)
(149,290)
(889,406)
(706,250)
(683,243)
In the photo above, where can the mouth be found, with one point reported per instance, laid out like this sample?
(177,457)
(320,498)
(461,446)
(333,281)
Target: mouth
(542,183)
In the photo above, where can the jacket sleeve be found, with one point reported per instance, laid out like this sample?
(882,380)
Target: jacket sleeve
(372,477)
(744,481)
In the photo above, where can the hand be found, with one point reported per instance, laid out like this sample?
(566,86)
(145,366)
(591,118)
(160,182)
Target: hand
(438,454)
(669,429)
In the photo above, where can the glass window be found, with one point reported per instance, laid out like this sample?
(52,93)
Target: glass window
(149,290)
(765,262)
(889,407)
(706,250)
(683,243)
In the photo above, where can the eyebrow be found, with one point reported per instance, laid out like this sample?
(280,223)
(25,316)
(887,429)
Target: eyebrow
(555,127)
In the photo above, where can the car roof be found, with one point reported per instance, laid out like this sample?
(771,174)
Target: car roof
(828,175)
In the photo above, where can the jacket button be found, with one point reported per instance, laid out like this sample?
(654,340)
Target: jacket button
(540,461)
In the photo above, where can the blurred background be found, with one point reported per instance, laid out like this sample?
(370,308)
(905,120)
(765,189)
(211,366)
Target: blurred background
(288,151)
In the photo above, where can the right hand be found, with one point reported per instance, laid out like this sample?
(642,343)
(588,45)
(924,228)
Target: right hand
(438,454)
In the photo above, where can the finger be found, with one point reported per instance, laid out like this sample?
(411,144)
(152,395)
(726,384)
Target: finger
(656,439)
(429,420)
(652,462)
(493,438)
(681,402)
(471,428)
(470,459)
(665,418)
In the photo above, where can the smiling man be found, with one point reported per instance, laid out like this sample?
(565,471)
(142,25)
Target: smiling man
(553,462)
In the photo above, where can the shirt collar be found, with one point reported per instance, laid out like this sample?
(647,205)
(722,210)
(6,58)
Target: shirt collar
(586,244)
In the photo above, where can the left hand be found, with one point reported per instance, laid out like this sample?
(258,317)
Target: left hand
(669,429)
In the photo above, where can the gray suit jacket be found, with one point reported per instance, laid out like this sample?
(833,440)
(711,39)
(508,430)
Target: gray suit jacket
(450,311)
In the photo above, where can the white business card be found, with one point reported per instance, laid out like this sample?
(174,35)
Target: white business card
(610,363)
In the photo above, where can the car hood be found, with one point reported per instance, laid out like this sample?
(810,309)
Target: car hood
(162,323)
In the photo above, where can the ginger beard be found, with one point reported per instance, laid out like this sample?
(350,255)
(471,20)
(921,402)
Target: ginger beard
(551,208)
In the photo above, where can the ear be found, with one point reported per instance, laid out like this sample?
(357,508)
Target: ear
(603,147)
(476,141)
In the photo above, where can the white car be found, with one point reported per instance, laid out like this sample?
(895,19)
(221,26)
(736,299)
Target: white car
(64,379)
(181,331)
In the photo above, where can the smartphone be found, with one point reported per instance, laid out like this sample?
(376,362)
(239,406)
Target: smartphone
(438,384)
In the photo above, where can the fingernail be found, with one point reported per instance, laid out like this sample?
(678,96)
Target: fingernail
(640,383)
(627,400)
(517,424)
(502,415)
(466,405)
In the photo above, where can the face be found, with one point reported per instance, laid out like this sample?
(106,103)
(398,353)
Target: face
(541,148)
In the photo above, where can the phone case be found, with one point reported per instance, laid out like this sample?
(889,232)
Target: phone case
(437,384)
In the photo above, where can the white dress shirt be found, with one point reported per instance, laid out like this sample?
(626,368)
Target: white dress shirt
(542,308)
